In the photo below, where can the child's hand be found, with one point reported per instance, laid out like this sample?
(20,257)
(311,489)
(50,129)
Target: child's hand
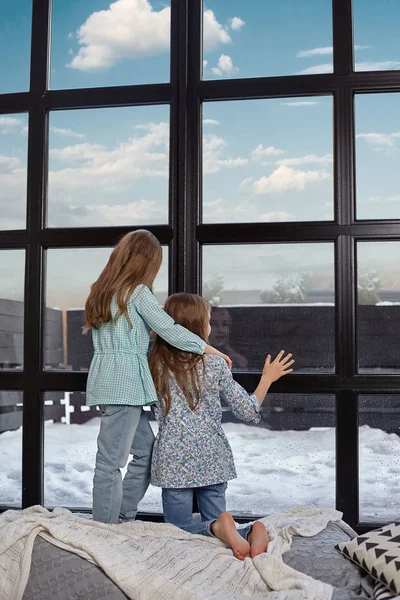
(227,360)
(279,367)
(211,350)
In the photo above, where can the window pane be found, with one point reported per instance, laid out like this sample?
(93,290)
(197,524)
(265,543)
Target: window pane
(13,173)
(11,448)
(290,455)
(70,273)
(376,34)
(269,297)
(378,146)
(378,316)
(379,457)
(273,164)
(109,175)
(256,39)
(12,273)
(104,44)
(15,45)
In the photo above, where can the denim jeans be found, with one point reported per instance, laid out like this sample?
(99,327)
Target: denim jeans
(178,507)
(124,430)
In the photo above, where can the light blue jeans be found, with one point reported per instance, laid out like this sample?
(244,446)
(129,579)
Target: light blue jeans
(124,430)
(178,508)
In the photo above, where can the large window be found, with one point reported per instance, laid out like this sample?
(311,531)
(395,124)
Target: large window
(259,142)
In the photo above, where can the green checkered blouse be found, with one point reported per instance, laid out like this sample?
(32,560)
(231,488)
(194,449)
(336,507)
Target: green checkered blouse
(119,372)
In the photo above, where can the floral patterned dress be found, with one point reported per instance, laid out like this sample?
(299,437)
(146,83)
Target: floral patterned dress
(191,449)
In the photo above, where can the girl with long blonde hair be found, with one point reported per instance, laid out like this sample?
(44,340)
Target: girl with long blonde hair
(121,311)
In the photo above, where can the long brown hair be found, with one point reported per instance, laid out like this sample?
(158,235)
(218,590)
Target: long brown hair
(135,259)
(193,312)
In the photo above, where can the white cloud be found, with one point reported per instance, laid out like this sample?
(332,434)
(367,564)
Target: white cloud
(214,33)
(237,23)
(128,29)
(285,178)
(260,153)
(309,159)
(386,65)
(221,211)
(380,141)
(225,66)
(323,51)
(67,133)
(300,103)
(9,124)
(142,211)
(210,122)
(213,161)
(131,29)
(92,166)
(317,69)
(360,66)
(315,52)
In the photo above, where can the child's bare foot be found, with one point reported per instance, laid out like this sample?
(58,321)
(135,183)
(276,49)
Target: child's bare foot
(224,528)
(258,539)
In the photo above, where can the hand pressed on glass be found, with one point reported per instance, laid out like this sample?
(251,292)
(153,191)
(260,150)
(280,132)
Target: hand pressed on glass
(273,371)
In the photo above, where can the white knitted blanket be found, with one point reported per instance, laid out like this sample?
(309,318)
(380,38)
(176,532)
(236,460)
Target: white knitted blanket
(151,561)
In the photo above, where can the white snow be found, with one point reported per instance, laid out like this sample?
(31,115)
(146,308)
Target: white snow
(276,469)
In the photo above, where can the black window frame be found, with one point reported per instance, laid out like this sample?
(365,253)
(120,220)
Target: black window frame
(185,234)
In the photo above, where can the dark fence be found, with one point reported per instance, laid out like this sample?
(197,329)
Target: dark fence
(247,334)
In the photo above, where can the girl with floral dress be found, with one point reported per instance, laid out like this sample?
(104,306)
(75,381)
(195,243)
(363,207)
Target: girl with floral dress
(191,454)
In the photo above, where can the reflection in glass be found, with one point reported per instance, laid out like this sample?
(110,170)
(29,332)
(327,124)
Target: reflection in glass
(13,170)
(376,35)
(274,165)
(377,155)
(15,45)
(378,314)
(108,175)
(100,44)
(287,459)
(262,39)
(379,462)
(70,273)
(272,297)
(12,275)
(11,448)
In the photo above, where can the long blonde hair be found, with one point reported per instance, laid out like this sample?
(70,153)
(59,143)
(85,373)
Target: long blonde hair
(135,259)
(193,312)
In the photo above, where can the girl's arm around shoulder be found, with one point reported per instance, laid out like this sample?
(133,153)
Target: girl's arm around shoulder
(157,319)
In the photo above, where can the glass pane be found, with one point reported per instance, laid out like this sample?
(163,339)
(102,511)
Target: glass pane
(70,444)
(15,45)
(379,462)
(378,146)
(13,170)
(378,315)
(257,39)
(274,164)
(70,273)
(113,175)
(272,297)
(290,454)
(12,275)
(100,43)
(11,448)
(376,34)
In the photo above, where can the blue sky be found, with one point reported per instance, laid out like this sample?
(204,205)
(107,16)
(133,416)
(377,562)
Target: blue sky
(266,160)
